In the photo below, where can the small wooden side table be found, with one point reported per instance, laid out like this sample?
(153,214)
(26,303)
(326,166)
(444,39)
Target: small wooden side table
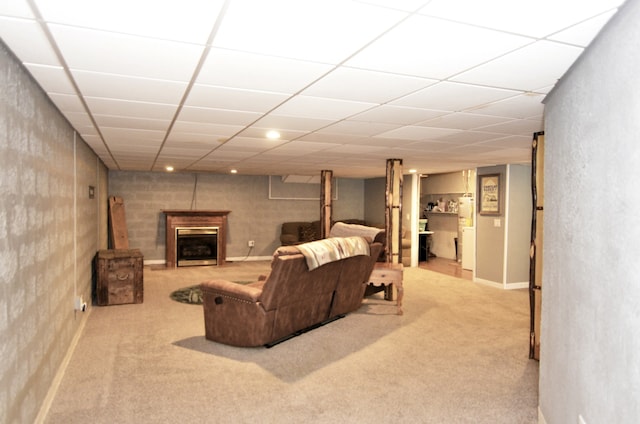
(388,273)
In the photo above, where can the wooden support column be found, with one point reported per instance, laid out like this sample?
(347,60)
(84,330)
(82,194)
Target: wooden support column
(393,211)
(535,253)
(326,207)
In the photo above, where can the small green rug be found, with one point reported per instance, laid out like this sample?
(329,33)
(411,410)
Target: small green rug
(192,294)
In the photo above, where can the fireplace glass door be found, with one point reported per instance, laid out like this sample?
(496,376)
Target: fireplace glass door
(197,246)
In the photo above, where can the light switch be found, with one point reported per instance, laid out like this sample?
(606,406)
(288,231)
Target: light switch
(496,222)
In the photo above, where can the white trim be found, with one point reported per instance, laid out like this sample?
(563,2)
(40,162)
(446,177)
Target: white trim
(505,227)
(514,286)
(232,259)
(413,218)
(541,419)
(57,379)
(250,258)
(497,285)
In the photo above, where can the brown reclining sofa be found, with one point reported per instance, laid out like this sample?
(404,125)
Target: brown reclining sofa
(290,300)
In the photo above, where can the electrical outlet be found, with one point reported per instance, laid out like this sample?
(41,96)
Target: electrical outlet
(79,304)
(251,243)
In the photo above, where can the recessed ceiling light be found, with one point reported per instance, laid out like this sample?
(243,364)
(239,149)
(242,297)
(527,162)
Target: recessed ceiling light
(234,171)
(273,135)
(169,168)
(413,171)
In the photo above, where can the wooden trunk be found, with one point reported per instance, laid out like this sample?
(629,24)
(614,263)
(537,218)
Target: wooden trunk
(119,276)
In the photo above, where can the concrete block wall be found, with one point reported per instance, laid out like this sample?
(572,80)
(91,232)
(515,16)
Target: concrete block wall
(253,215)
(48,237)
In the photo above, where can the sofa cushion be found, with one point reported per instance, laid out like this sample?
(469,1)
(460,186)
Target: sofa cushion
(307,232)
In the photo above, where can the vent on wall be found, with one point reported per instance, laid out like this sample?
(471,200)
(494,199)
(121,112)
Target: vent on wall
(301,179)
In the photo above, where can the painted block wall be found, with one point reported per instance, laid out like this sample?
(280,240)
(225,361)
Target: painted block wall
(254,216)
(590,335)
(49,233)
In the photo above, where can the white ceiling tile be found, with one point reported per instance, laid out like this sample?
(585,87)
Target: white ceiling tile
(125,136)
(212,140)
(358,128)
(365,86)
(261,133)
(583,33)
(27,41)
(471,137)
(319,137)
(512,141)
(549,59)
(462,121)
(217,116)
(519,127)
(401,115)
(326,31)
(90,50)
(204,128)
(406,5)
(259,72)
(532,18)
(417,133)
(127,108)
(316,107)
(188,20)
(420,45)
(527,105)
(233,99)
(131,122)
(252,144)
(272,121)
(300,147)
(119,87)
(67,102)
(52,79)
(453,97)
(16,8)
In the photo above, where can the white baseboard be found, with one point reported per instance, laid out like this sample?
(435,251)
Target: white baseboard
(541,419)
(57,379)
(510,286)
(232,259)
(514,286)
(250,258)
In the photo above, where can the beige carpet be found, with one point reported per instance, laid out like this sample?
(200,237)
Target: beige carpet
(459,354)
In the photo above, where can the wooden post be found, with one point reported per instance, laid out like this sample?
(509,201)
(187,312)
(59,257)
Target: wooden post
(393,210)
(326,207)
(535,252)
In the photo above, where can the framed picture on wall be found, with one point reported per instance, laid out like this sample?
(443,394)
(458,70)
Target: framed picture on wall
(489,189)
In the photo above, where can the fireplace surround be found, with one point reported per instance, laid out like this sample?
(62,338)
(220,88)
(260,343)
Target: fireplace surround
(190,223)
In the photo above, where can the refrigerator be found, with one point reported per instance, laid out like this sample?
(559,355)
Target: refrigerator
(466,251)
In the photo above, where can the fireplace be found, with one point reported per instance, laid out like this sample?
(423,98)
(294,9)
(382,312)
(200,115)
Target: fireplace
(196,246)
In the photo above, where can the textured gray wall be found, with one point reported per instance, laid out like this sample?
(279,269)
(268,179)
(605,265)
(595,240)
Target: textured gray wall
(519,224)
(49,233)
(253,215)
(489,238)
(590,340)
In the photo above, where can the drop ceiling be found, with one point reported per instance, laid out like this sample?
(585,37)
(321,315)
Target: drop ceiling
(443,85)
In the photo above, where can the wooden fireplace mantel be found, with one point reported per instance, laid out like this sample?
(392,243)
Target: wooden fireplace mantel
(194,218)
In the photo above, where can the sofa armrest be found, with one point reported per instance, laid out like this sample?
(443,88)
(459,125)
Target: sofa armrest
(249,293)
